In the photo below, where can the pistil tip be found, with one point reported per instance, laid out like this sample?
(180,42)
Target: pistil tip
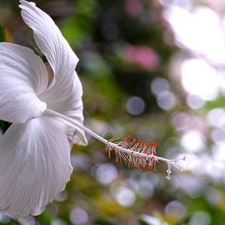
(168,177)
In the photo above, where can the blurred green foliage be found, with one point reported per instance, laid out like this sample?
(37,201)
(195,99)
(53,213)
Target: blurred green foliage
(106,35)
(2,34)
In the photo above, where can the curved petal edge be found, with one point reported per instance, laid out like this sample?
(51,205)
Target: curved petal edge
(34,166)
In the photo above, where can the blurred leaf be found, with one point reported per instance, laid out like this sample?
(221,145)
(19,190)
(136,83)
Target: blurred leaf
(184,220)
(142,222)
(218,103)
(2,34)
(8,222)
(44,218)
(4,125)
(102,222)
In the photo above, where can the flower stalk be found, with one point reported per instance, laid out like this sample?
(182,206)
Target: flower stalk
(139,154)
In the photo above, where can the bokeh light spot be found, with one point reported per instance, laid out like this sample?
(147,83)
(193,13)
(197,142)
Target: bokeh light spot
(216,117)
(175,210)
(58,222)
(218,135)
(141,184)
(61,196)
(159,86)
(200,79)
(133,7)
(181,121)
(106,173)
(135,105)
(166,101)
(78,216)
(195,102)
(192,141)
(204,23)
(200,218)
(124,196)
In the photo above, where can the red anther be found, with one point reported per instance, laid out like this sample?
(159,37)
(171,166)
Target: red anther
(150,167)
(155,171)
(115,138)
(108,128)
(136,167)
(135,147)
(142,167)
(153,145)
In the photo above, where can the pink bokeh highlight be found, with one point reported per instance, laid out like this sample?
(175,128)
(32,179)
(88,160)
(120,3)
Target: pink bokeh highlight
(142,56)
(133,7)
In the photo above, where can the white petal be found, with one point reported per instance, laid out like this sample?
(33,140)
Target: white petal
(23,76)
(54,46)
(72,107)
(34,166)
